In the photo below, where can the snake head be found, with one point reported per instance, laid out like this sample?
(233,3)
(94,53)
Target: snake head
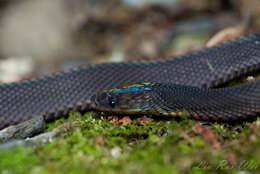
(132,99)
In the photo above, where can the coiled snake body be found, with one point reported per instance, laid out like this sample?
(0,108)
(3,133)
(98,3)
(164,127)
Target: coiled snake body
(174,85)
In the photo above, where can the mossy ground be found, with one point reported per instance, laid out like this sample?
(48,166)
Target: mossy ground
(97,146)
(162,146)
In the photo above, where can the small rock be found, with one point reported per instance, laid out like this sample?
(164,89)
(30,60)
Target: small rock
(141,3)
(23,130)
(15,68)
(39,139)
(116,152)
(250,78)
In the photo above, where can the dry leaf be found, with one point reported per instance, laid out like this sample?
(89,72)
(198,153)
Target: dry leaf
(144,120)
(113,119)
(254,130)
(99,140)
(206,134)
(232,159)
(125,121)
(226,35)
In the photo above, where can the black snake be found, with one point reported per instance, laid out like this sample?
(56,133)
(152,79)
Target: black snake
(174,86)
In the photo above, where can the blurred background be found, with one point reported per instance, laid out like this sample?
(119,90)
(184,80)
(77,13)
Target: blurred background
(42,36)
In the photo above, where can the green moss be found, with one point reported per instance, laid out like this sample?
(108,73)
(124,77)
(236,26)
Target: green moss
(158,147)
(18,160)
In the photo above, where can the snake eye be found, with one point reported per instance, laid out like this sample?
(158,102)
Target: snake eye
(111,101)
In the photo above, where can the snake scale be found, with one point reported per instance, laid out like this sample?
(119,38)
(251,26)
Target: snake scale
(178,84)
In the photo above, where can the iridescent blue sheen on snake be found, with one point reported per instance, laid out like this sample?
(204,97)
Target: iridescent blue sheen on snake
(224,104)
(56,95)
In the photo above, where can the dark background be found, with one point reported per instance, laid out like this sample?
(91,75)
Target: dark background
(41,36)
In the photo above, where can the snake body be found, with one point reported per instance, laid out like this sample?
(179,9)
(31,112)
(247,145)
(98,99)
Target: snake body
(56,95)
(224,104)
